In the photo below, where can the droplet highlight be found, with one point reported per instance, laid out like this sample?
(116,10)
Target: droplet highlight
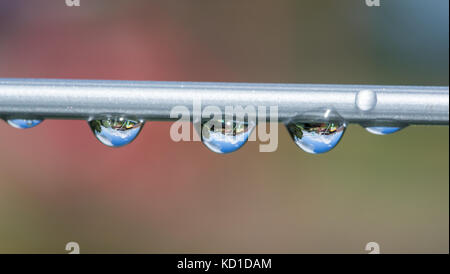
(222,136)
(116,132)
(23,123)
(366,100)
(318,137)
(383,130)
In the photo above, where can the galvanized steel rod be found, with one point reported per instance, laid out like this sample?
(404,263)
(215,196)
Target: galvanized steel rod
(84,99)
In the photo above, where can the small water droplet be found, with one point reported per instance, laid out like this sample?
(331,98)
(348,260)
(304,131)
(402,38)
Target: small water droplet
(317,137)
(117,131)
(366,100)
(225,136)
(23,123)
(383,130)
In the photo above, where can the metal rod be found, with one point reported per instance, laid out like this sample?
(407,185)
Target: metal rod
(84,99)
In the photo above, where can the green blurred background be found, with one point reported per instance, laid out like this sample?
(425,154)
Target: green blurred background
(59,184)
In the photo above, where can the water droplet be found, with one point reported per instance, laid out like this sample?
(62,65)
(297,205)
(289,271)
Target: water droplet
(366,100)
(23,123)
(317,137)
(116,132)
(383,130)
(225,136)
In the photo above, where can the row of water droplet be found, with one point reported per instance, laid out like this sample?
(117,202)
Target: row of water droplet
(313,137)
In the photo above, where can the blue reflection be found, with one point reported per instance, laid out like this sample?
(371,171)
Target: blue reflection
(116,132)
(383,130)
(223,140)
(23,123)
(316,138)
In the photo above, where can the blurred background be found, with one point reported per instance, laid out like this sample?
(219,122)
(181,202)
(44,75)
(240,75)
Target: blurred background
(59,184)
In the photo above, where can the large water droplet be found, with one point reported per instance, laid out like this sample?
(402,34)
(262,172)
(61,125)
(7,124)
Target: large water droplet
(225,136)
(116,132)
(383,130)
(23,123)
(317,137)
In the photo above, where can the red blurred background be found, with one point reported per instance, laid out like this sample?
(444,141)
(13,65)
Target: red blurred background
(59,184)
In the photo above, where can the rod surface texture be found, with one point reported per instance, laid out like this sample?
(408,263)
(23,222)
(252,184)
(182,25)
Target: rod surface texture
(85,99)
